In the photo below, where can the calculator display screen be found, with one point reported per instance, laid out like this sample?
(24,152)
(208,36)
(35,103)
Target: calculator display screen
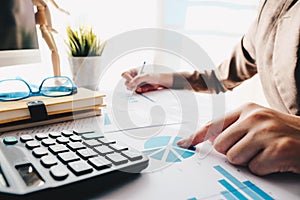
(30,175)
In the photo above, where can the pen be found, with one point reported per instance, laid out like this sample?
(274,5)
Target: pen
(139,73)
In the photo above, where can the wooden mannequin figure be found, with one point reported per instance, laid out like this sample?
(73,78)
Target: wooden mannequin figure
(43,18)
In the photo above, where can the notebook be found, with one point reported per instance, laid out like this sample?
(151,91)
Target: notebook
(84,99)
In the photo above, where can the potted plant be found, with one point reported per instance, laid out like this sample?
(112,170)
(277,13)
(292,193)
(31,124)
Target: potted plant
(85,49)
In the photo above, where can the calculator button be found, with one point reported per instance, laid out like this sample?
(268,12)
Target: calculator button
(106,141)
(58,148)
(75,138)
(32,144)
(103,150)
(39,152)
(116,158)
(41,136)
(48,161)
(92,143)
(83,131)
(25,138)
(75,146)
(67,133)
(47,142)
(99,163)
(86,153)
(54,134)
(95,135)
(62,140)
(132,155)
(118,147)
(10,140)
(80,167)
(59,172)
(68,157)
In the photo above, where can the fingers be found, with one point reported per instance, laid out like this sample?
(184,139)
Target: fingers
(128,75)
(142,80)
(211,130)
(139,80)
(133,81)
(263,164)
(279,155)
(242,152)
(147,82)
(230,136)
(253,136)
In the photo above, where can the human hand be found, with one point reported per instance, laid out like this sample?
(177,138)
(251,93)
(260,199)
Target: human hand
(146,82)
(265,140)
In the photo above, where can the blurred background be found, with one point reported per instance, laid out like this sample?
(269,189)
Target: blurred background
(216,25)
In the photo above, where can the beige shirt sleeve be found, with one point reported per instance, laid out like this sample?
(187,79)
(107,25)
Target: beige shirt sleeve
(241,64)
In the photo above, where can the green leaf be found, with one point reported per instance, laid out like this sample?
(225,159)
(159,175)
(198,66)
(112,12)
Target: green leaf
(84,42)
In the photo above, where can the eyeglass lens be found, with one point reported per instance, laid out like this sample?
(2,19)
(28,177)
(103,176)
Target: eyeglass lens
(57,86)
(13,90)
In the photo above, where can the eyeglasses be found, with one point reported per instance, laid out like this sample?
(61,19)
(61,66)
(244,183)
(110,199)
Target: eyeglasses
(16,89)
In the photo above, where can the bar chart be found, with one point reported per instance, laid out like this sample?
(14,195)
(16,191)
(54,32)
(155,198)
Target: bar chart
(235,189)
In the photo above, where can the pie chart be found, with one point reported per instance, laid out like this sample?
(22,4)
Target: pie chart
(164,148)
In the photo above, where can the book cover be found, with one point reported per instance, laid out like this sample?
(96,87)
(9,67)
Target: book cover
(84,99)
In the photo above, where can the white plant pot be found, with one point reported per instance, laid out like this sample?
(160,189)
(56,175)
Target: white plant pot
(86,71)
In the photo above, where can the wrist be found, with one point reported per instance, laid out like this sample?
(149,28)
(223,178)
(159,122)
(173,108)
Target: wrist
(166,80)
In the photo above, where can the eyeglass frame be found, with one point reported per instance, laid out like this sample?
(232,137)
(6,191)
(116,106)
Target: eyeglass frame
(38,93)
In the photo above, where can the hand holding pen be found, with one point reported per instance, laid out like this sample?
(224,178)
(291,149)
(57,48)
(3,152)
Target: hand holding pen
(141,82)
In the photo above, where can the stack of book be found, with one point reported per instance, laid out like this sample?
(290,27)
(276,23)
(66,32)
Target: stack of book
(17,114)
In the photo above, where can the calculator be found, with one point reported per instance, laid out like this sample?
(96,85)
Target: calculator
(30,163)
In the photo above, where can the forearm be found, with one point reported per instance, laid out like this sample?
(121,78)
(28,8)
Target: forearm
(205,81)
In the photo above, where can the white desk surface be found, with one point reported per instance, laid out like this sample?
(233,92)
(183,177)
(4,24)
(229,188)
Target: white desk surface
(195,177)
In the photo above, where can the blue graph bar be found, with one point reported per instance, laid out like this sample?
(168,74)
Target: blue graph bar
(106,119)
(228,195)
(236,182)
(232,190)
(258,190)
